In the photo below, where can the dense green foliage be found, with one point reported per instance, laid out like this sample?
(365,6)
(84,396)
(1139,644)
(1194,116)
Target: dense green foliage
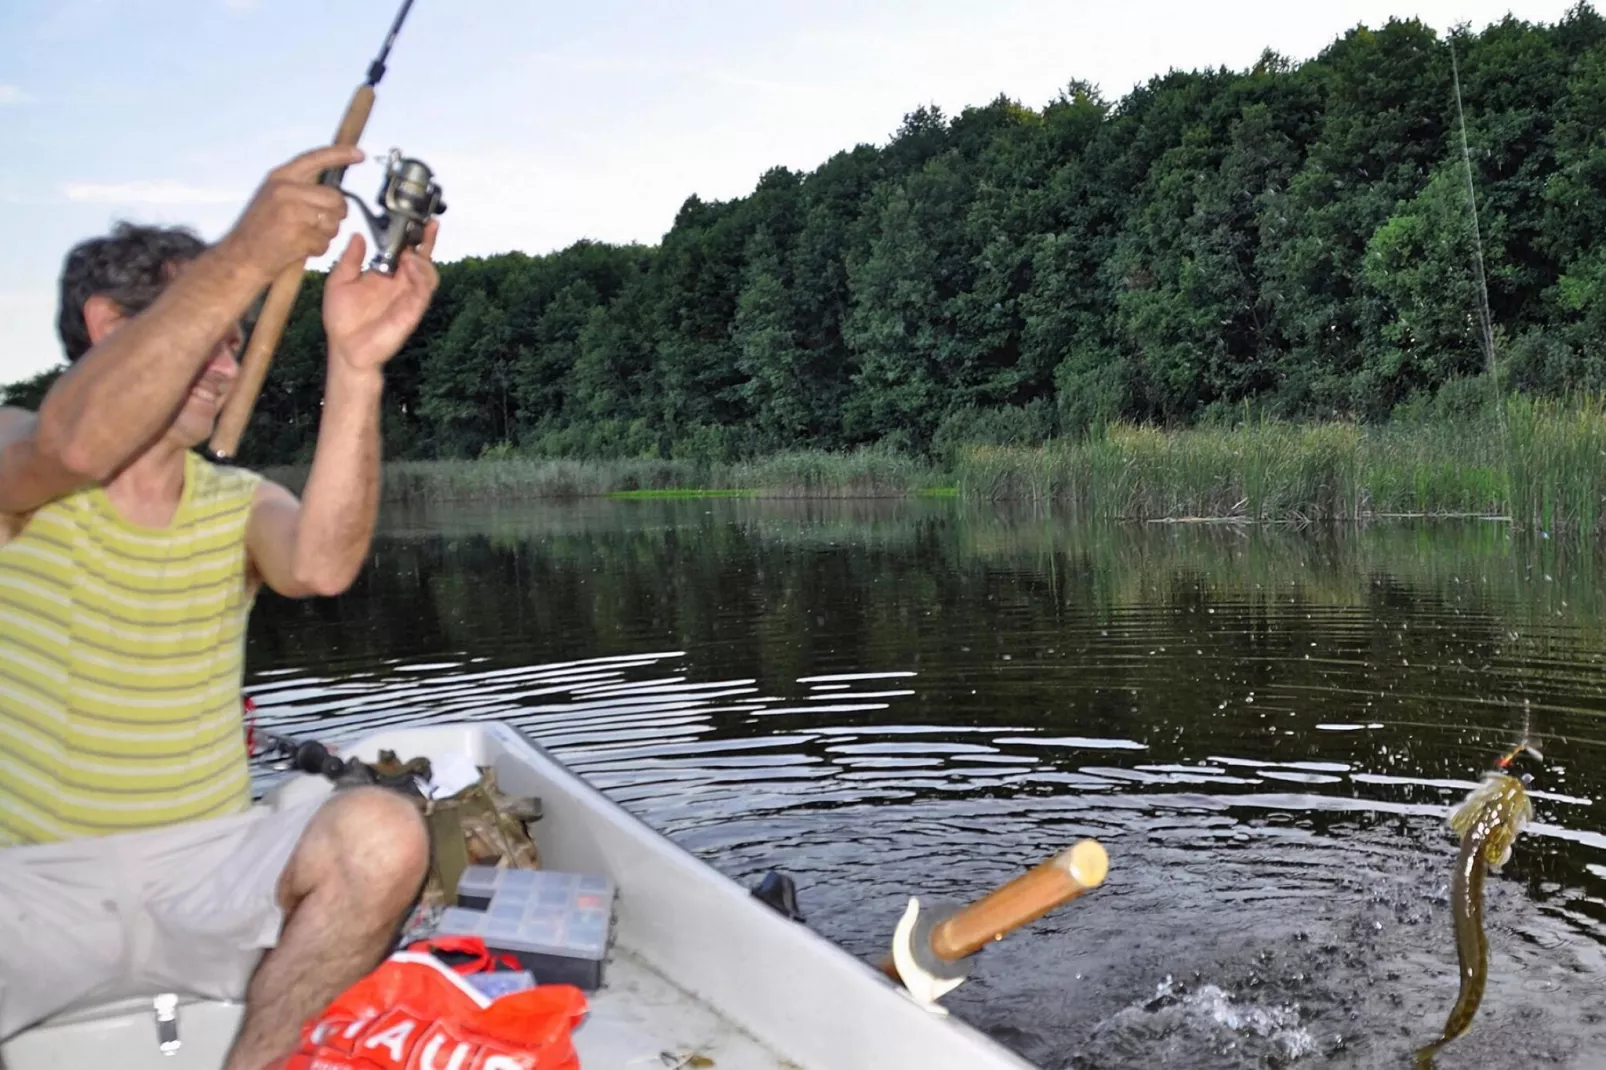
(1289,241)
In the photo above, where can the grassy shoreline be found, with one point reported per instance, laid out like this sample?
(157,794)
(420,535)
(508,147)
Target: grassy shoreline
(1546,471)
(808,474)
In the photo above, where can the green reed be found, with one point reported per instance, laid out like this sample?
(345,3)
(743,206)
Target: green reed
(816,474)
(1557,460)
(1546,472)
(1257,472)
(860,474)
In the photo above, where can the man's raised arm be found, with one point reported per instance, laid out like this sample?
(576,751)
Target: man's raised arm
(316,546)
(111,404)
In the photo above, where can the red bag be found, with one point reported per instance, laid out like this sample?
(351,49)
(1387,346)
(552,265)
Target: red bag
(480,958)
(416,1013)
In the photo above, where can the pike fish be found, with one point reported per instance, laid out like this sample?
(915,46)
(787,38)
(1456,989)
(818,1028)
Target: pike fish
(1488,821)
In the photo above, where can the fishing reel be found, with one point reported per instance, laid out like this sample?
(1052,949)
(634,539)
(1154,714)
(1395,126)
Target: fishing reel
(408,199)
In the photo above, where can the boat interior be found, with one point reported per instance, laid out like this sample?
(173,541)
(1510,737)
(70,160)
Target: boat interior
(700,972)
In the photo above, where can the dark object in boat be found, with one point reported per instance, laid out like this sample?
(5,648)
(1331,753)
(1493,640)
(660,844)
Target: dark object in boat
(779,891)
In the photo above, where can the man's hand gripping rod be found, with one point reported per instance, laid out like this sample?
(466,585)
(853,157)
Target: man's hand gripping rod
(282,294)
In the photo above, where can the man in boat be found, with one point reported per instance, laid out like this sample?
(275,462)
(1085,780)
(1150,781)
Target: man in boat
(133,862)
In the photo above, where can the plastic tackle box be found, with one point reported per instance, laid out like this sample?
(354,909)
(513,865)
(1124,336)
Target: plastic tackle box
(558,925)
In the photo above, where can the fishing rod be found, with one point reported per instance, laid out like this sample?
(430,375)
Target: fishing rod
(315,758)
(304,755)
(408,198)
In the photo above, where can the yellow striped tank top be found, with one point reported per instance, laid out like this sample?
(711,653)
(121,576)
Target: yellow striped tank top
(121,663)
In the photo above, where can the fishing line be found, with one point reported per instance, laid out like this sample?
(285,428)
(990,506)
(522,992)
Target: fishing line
(1487,338)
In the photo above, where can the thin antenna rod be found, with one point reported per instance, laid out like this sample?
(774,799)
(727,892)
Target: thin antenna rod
(1477,235)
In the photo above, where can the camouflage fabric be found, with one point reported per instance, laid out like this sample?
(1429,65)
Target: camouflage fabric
(480,825)
(388,772)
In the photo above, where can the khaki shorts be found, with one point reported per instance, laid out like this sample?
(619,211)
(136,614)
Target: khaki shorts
(187,909)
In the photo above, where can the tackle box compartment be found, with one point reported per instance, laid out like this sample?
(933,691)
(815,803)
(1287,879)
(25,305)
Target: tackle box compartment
(559,926)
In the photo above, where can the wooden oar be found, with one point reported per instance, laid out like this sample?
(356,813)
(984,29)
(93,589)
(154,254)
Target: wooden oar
(931,948)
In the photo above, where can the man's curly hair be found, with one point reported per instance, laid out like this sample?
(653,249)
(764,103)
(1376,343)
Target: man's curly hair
(132,265)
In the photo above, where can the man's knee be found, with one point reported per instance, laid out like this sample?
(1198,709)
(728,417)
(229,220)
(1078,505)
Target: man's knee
(373,839)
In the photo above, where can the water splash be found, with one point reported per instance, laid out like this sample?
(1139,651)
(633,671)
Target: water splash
(1201,1023)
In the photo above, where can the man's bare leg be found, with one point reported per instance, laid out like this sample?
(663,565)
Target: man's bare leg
(358,868)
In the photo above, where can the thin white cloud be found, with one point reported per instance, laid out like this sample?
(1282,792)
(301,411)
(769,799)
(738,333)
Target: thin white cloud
(10,94)
(158,191)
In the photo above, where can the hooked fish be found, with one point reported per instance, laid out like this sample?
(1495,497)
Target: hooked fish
(1488,821)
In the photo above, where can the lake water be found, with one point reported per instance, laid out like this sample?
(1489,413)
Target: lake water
(1265,729)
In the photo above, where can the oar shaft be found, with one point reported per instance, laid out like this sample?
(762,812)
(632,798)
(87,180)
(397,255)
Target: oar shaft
(1051,884)
(1043,888)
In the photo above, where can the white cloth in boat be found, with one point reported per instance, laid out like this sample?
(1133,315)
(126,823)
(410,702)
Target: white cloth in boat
(186,909)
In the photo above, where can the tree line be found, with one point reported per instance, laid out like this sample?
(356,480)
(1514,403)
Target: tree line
(1295,240)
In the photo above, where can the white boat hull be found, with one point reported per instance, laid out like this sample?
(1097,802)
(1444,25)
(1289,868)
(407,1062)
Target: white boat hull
(699,966)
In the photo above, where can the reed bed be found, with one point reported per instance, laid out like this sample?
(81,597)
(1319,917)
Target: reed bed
(1542,466)
(1261,472)
(859,474)
(1556,456)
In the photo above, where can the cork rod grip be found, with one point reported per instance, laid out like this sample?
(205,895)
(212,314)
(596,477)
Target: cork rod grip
(1023,900)
(356,117)
(276,311)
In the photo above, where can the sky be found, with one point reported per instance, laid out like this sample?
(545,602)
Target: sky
(545,122)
